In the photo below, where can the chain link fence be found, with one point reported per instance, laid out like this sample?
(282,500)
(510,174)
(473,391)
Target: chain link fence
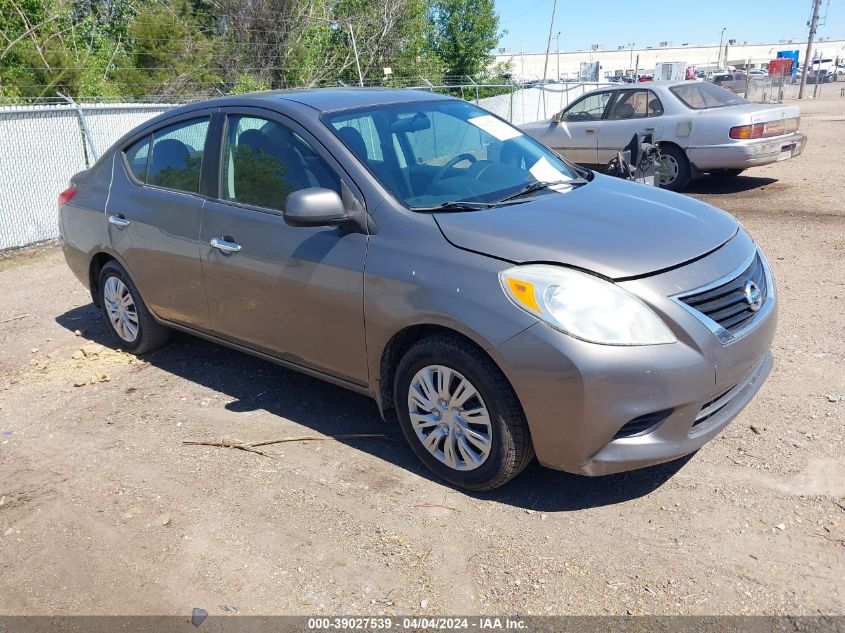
(41,147)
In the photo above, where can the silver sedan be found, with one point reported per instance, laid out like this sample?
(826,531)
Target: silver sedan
(702,128)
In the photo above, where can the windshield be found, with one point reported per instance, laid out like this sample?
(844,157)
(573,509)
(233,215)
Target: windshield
(702,95)
(432,153)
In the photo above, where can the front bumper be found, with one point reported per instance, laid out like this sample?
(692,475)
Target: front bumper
(577,396)
(744,154)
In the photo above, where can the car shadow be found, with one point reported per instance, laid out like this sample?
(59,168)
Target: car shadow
(253,384)
(720,185)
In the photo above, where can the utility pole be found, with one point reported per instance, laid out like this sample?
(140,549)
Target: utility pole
(631,57)
(721,39)
(819,79)
(548,48)
(814,22)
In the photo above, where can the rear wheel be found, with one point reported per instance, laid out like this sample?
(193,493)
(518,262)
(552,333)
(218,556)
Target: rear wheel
(726,173)
(460,415)
(129,321)
(674,169)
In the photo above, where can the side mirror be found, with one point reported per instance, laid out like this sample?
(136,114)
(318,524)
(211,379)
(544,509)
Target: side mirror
(557,118)
(314,207)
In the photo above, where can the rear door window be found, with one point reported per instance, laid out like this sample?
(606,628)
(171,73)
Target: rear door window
(655,107)
(631,104)
(176,157)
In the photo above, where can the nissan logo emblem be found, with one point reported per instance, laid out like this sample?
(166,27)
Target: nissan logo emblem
(753,295)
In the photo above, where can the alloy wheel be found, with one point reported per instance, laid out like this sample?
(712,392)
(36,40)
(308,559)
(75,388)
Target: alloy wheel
(449,417)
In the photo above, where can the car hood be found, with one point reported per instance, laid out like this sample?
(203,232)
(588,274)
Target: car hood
(610,226)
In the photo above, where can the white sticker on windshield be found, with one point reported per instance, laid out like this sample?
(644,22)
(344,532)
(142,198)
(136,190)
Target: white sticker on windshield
(544,171)
(495,127)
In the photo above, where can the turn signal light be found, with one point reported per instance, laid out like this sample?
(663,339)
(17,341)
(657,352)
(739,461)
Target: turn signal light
(765,130)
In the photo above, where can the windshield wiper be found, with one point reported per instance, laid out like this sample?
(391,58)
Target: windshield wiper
(455,205)
(531,187)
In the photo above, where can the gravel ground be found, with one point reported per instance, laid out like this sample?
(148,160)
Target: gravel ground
(104,510)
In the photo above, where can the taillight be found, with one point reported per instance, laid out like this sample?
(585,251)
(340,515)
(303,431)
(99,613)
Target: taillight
(66,195)
(764,130)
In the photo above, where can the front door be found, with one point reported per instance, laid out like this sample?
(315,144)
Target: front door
(293,292)
(575,132)
(155,210)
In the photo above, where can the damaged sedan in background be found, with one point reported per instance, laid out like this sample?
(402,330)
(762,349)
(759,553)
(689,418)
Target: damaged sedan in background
(701,128)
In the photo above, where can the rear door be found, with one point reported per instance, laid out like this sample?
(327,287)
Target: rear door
(154,210)
(633,111)
(294,292)
(575,135)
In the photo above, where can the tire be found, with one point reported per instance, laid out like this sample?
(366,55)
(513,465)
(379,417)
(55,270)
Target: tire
(138,334)
(509,449)
(677,164)
(726,173)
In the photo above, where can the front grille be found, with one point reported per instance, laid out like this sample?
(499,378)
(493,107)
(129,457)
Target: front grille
(727,304)
(642,424)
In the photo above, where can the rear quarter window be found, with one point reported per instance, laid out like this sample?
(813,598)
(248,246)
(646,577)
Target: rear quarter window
(137,155)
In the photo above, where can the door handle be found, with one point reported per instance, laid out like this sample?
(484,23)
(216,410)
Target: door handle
(119,221)
(649,129)
(224,246)
(590,130)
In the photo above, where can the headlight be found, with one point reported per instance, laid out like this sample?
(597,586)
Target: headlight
(584,306)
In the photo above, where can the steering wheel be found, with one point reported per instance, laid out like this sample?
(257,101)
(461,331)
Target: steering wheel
(443,170)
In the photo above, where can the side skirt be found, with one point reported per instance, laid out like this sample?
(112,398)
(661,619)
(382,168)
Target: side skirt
(315,373)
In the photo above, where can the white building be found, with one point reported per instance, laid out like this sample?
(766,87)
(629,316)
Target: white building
(623,59)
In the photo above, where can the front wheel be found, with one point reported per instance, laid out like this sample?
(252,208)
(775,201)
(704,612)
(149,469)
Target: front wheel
(129,321)
(460,415)
(674,168)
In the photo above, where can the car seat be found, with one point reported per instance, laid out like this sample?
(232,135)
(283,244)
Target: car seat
(168,154)
(624,111)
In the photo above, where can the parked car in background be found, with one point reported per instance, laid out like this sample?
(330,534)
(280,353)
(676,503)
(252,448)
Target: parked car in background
(825,71)
(644,78)
(735,81)
(757,72)
(700,126)
(387,241)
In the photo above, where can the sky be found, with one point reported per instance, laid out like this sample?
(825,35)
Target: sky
(647,23)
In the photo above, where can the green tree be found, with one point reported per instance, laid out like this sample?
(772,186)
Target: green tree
(464,33)
(168,53)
